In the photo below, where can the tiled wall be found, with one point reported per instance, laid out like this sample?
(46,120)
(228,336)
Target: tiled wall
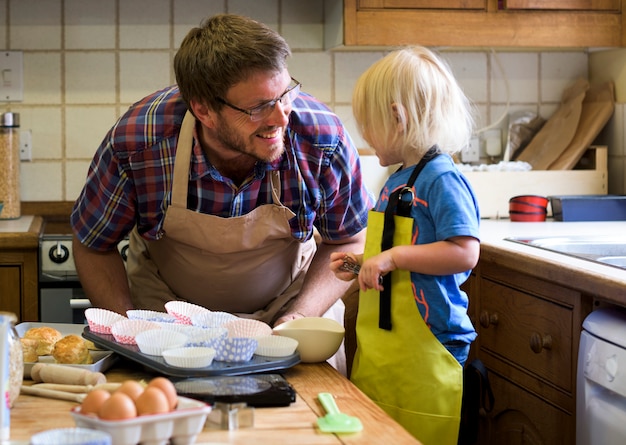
(85,61)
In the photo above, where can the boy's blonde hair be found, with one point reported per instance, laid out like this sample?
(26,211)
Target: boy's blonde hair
(431,106)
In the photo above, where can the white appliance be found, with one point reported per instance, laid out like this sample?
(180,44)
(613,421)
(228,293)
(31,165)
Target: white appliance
(61,297)
(601,382)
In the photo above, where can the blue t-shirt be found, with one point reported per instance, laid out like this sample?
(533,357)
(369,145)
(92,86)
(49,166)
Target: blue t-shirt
(444,206)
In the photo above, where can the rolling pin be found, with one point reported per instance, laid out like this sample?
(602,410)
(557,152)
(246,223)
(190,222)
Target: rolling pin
(50,373)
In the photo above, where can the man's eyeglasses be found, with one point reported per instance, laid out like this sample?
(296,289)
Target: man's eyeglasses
(265,109)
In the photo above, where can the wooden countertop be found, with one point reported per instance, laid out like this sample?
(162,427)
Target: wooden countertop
(607,283)
(21,233)
(272,426)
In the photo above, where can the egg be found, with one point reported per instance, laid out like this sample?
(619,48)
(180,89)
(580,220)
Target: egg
(93,401)
(168,389)
(118,407)
(131,388)
(152,401)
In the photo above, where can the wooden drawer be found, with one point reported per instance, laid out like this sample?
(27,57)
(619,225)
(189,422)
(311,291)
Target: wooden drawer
(531,332)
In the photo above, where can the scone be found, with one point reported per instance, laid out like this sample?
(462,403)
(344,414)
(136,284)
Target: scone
(29,350)
(72,350)
(46,338)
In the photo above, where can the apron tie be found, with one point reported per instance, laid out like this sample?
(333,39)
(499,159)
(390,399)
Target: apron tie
(397,206)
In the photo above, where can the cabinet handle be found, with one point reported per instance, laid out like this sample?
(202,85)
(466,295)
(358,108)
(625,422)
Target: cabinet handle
(540,342)
(486,319)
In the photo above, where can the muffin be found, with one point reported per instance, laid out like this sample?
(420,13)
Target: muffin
(72,350)
(29,350)
(46,338)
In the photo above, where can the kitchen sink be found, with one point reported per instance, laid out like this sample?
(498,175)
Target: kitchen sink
(610,250)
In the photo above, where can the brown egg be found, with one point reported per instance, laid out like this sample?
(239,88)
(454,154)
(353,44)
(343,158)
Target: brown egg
(168,389)
(93,401)
(152,401)
(118,407)
(131,388)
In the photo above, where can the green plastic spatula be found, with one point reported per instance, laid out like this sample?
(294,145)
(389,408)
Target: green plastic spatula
(335,421)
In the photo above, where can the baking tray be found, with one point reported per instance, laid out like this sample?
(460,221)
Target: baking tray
(102,360)
(257,364)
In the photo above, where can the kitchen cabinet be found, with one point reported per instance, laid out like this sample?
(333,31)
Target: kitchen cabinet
(19,270)
(486,23)
(528,334)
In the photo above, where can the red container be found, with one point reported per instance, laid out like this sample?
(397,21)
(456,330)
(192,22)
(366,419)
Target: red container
(528,208)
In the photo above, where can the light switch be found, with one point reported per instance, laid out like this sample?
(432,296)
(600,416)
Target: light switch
(11,78)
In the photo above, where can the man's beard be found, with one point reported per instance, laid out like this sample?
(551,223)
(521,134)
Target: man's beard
(232,140)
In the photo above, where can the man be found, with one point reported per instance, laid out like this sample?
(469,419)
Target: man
(219,182)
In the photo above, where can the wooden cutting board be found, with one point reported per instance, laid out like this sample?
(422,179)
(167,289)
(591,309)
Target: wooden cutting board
(597,109)
(558,131)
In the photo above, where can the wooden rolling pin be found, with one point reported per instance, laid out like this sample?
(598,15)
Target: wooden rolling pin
(50,373)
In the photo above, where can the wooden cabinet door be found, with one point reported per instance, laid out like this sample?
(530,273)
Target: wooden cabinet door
(570,5)
(522,418)
(11,289)
(485,23)
(424,4)
(19,289)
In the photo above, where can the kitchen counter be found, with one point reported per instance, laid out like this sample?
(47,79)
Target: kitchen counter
(272,426)
(22,232)
(606,282)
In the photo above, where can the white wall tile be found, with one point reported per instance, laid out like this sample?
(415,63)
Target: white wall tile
(90,77)
(41,181)
(314,70)
(144,24)
(85,127)
(265,11)
(45,126)
(142,73)
(35,24)
(348,67)
(3,29)
(189,13)
(42,78)
(471,71)
(559,70)
(89,24)
(514,77)
(345,114)
(302,24)
(76,172)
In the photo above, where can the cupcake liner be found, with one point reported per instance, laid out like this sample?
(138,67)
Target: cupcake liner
(212,319)
(101,320)
(209,337)
(193,357)
(183,310)
(276,346)
(144,314)
(155,341)
(247,327)
(236,349)
(125,331)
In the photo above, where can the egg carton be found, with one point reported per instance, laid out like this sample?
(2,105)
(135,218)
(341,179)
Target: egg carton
(179,427)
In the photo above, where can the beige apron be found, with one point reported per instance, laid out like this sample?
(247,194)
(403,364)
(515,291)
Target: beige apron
(249,265)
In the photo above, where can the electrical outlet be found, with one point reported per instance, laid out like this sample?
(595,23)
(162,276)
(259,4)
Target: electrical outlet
(26,146)
(471,153)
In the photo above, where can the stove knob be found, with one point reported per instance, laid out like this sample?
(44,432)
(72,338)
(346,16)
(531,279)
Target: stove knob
(59,254)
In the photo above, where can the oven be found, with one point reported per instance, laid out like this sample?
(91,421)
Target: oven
(61,297)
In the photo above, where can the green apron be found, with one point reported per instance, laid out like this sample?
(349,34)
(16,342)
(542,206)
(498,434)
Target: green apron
(402,366)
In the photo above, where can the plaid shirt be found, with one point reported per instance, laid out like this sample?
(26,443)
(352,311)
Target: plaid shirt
(129,181)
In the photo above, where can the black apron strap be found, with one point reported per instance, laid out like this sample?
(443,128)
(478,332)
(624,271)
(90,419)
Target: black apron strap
(400,202)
